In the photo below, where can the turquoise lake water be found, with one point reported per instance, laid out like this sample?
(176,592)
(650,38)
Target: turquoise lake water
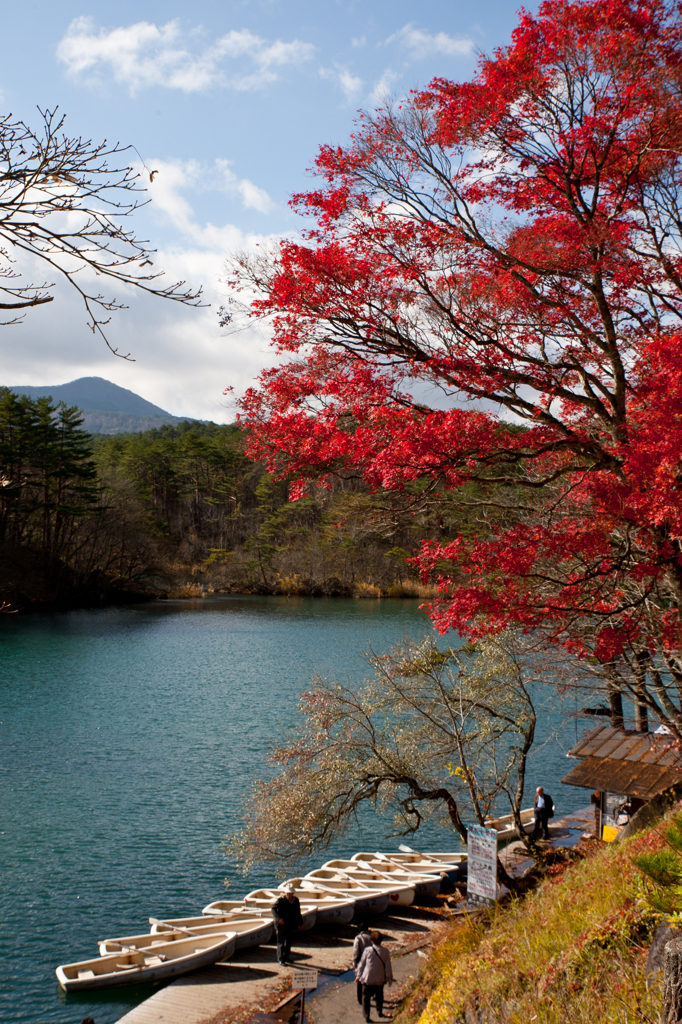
(127,739)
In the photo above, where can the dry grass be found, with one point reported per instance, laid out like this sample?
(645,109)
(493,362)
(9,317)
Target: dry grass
(290,585)
(408,588)
(188,590)
(572,952)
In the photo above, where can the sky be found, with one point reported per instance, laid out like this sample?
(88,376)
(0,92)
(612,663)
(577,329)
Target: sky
(229,103)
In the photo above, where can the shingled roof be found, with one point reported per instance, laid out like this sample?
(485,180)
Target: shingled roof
(639,764)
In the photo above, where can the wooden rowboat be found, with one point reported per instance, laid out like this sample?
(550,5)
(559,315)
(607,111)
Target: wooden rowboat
(400,893)
(165,960)
(331,909)
(367,901)
(266,898)
(249,931)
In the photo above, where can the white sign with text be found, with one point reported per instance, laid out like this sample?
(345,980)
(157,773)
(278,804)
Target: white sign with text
(304,979)
(482,865)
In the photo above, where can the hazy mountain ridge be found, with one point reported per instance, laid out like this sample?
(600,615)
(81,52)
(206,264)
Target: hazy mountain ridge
(106,407)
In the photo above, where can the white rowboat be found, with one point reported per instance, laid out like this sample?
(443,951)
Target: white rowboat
(414,860)
(408,862)
(505,827)
(228,906)
(266,898)
(258,934)
(424,885)
(367,901)
(166,960)
(400,894)
(253,931)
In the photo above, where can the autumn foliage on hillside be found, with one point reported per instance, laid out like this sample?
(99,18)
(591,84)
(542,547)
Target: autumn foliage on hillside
(490,293)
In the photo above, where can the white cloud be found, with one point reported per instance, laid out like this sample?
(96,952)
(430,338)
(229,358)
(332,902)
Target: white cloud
(423,44)
(383,87)
(145,55)
(174,176)
(183,359)
(349,83)
(360,41)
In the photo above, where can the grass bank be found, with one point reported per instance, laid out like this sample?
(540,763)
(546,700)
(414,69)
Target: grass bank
(573,951)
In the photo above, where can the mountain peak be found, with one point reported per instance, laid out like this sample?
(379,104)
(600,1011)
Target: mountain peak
(106,407)
(94,394)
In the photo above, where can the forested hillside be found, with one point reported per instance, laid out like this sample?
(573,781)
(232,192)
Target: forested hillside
(88,518)
(202,511)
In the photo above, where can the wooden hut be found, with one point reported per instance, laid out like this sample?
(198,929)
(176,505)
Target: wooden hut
(625,769)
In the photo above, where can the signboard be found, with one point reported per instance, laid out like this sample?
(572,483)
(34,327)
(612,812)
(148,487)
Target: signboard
(482,865)
(304,979)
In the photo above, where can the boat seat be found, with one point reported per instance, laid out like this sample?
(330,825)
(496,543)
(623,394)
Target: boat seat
(154,961)
(85,974)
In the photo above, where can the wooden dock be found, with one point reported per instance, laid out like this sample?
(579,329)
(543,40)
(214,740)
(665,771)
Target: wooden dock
(202,995)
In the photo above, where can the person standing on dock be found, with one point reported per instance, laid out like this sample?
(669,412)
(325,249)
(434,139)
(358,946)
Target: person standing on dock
(544,810)
(288,919)
(360,944)
(374,971)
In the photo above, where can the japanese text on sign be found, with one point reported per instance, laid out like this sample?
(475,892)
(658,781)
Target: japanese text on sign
(482,865)
(304,979)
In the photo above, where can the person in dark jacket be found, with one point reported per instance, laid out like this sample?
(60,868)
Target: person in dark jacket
(374,971)
(544,810)
(287,916)
(361,942)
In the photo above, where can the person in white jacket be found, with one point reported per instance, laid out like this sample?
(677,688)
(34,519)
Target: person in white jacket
(374,971)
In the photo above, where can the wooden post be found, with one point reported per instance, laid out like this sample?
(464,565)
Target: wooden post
(672,983)
(302,1006)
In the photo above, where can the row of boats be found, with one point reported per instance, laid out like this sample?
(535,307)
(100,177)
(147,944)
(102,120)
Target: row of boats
(368,883)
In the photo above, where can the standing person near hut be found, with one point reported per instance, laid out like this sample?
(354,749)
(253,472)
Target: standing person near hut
(287,916)
(374,971)
(544,810)
(362,941)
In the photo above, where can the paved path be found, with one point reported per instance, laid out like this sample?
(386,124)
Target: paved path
(337,1003)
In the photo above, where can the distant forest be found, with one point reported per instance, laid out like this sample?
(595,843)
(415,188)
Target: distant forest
(180,510)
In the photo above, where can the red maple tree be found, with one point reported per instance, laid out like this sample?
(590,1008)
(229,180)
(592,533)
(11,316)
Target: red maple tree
(491,291)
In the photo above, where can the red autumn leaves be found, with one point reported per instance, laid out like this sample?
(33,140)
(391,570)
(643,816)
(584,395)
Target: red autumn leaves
(514,240)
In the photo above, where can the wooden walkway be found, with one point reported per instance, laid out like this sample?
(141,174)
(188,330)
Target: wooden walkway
(203,994)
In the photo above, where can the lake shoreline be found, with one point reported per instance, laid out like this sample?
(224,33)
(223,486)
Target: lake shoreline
(30,588)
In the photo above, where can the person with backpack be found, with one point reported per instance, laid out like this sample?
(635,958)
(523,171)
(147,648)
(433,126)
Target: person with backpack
(374,971)
(544,810)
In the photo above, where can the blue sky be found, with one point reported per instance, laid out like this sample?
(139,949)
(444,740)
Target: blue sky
(229,101)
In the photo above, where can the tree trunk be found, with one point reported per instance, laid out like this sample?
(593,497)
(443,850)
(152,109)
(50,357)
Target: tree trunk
(641,717)
(504,878)
(672,983)
(615,705)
